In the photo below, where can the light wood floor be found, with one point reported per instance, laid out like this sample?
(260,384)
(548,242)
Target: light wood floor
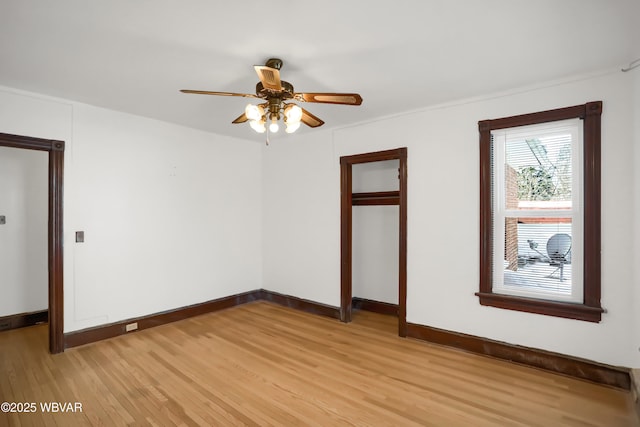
(262,364)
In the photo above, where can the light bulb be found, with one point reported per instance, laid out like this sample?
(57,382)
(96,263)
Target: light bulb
(293,113)
(292,127)
(253,112)
(258,126)
(273,127)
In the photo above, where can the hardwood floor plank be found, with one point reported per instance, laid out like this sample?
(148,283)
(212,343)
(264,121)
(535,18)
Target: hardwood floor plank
(265,364)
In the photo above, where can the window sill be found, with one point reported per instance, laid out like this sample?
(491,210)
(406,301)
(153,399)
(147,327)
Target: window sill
(538,306)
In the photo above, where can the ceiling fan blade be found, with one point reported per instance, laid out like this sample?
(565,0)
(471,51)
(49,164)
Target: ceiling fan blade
(243,118)
(330,98)
(310,120)
(205,92)
(270,77)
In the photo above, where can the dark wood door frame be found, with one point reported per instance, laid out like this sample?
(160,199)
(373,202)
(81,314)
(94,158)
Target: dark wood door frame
(55,239)
(346,203)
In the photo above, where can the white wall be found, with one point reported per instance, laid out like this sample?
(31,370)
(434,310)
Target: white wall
(375,234)
(301,211)
(375,176)
(23,239)
(172,216)
(375,253)
(443,217)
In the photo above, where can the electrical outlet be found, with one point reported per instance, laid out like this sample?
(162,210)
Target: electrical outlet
(3,219)
(131,327)
(79,236)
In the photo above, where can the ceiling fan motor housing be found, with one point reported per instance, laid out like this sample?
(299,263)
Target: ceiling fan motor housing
(286,93)
(274,63)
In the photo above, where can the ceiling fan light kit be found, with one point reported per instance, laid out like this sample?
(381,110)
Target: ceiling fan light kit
(276,93)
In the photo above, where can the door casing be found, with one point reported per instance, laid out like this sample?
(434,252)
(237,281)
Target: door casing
(346,231)
(55,231)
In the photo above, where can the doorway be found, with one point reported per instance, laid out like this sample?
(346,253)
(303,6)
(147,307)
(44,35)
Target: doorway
(347,200)
(55,230)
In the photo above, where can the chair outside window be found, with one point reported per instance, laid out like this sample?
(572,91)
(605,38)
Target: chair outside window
(558,252)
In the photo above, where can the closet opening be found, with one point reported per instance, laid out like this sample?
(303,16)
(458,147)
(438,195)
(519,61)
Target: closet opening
(374,234)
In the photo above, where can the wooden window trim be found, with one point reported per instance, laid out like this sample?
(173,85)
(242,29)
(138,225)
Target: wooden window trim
(590,310)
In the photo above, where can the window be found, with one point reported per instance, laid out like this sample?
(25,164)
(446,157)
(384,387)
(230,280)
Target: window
(540,212)
(537,217)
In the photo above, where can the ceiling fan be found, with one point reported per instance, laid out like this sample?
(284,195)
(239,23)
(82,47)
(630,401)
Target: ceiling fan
(277,95)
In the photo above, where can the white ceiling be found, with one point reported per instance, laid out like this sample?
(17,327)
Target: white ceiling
(135,55)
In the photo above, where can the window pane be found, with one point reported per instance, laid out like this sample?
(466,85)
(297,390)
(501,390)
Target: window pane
(538,255)
(538,171)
